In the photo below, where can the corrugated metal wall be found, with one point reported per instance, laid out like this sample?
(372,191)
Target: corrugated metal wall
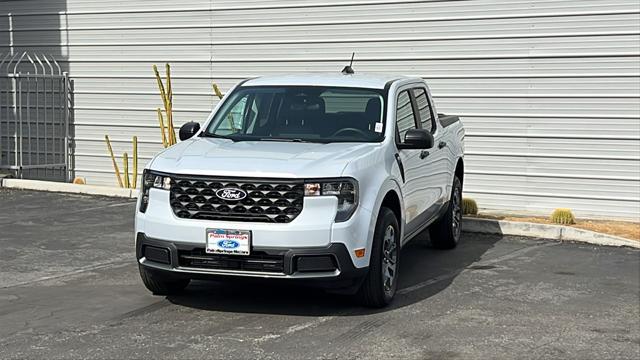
(549,90)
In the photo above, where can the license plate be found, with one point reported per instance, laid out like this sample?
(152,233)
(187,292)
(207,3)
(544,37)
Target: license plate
(228,242)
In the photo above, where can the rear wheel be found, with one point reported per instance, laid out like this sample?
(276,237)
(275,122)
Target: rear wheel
(445,233)
(381,282)
(161,285)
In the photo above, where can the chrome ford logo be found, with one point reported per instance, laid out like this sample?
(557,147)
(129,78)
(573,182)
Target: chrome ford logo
(231,194)
(228,244)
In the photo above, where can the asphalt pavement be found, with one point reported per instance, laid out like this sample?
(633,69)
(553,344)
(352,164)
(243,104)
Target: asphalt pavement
(69,288)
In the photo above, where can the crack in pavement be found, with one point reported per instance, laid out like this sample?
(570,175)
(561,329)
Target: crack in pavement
(298,327)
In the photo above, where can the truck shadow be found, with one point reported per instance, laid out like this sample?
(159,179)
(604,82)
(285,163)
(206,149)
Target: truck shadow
(424,272)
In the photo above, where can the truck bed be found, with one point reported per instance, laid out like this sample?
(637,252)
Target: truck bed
(447,120)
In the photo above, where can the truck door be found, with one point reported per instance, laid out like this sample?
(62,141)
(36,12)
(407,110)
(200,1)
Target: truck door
(417,188)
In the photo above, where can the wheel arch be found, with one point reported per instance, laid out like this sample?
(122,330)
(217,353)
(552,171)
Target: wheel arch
(391,200)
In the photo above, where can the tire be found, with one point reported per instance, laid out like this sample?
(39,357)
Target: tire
(381,282)
(445,233)
(160,285)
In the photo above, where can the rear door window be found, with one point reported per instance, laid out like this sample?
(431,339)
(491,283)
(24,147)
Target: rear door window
(424,109)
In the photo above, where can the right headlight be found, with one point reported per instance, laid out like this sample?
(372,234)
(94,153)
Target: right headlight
(152,180)
(345,189)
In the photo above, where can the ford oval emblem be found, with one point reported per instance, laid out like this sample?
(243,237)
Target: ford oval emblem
(232,194)
(228,244)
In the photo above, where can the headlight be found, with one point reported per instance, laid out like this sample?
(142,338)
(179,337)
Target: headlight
(346,190)
(152,180)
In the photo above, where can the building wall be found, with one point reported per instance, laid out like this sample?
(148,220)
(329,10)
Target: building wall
(549,90)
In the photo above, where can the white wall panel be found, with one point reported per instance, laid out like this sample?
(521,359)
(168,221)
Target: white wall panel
(549,90)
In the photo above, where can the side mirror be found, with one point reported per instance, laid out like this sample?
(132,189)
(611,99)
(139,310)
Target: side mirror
(417,139)
(188,130)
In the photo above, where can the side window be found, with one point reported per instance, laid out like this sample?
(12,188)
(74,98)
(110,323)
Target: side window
(424,108)
(235,118)
(405,117)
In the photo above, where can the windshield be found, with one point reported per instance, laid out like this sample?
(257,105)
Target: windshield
(300,113)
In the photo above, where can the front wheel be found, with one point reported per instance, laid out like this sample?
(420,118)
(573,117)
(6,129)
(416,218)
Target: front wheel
(445,233)
(381,282)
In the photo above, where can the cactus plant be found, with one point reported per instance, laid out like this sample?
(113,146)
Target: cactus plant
(123,178)
(113,160)
(563,216)
(469,207)
(216,91)
(125,168)
(135,162)
(166,94)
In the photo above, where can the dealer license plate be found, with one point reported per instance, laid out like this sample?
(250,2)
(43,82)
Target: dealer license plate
(228,242)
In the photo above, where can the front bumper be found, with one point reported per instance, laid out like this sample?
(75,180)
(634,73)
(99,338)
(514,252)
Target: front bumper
(314,227)
(327,267)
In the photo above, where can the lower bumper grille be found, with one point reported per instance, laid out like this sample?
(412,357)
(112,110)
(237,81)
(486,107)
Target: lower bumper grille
(257,261)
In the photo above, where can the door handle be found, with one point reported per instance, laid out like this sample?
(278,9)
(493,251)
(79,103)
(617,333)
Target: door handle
(442,144)
(424,154)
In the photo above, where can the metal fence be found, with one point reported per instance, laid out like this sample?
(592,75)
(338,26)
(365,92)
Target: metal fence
(34,117)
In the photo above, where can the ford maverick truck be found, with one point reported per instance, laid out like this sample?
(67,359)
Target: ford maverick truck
(316,179)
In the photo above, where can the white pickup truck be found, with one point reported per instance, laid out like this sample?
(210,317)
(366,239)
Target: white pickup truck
(315,179)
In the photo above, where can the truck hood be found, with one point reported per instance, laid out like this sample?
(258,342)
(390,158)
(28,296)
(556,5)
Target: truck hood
(221,157)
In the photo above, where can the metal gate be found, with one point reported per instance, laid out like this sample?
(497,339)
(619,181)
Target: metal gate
(34,117)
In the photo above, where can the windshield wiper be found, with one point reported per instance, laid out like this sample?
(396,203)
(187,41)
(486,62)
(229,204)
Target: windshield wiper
(284,139)
(256,138)
(216,136)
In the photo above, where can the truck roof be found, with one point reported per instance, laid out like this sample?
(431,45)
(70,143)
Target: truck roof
(370,81)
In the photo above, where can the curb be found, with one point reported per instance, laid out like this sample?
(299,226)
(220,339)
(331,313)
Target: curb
(553,232)
(68,188)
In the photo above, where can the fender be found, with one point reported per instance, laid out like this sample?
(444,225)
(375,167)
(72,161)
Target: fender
(373,189)
(390,184)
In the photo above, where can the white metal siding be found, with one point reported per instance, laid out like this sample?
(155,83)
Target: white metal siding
(549,90)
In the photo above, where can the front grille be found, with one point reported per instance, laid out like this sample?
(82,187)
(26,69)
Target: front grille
(257,261)
(278,201)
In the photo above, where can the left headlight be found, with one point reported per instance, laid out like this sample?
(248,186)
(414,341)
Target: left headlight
(150,180)
(345,189)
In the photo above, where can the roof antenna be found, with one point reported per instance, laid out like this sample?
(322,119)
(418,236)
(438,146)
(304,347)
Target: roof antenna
(348,70)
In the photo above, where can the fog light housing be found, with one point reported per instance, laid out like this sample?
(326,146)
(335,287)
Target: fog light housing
(316,263)
(157,254)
